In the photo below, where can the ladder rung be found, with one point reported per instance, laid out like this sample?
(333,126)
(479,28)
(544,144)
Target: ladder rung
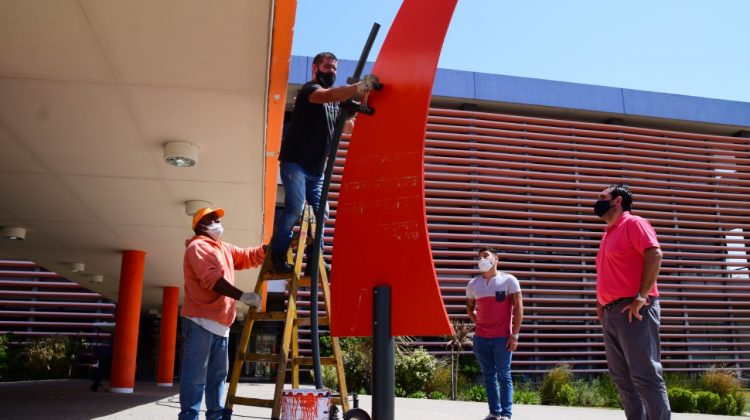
(295,240)
(305,322)
(255,402)
(308,361)
(270,275)
(290,342)
(304,281)
(262,357)
(268,316)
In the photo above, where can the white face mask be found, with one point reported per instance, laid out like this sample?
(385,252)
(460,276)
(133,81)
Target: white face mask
(215,230)
(485,264)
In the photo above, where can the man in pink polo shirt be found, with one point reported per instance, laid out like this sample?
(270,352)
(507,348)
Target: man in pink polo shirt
(208,311)
(627,266)
(494,304)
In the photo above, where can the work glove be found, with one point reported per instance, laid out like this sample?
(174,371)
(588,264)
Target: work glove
(250,299)
(367,84)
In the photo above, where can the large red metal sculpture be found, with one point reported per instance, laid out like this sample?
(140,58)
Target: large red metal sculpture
(381,225)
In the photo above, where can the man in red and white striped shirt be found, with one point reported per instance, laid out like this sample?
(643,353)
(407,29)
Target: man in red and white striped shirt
(493,302)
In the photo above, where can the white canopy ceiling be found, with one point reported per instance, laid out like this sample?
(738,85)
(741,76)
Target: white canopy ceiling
(90,90)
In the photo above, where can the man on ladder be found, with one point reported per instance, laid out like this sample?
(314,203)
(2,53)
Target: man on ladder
(305,148)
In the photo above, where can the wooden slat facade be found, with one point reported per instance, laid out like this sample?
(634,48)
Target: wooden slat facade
(526,185)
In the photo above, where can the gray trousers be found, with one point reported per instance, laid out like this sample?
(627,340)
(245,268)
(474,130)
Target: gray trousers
(633,358)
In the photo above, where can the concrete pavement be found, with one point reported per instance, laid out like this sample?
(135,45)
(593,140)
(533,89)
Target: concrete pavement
(72,399)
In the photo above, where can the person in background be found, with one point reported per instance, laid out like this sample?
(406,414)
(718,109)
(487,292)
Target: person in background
(494,304)
(102,353)
(627,265)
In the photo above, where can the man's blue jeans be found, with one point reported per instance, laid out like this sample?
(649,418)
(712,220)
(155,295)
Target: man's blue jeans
(494,359)
(204,367)
(299,185)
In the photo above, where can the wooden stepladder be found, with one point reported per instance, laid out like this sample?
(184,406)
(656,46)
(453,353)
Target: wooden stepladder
(290,335)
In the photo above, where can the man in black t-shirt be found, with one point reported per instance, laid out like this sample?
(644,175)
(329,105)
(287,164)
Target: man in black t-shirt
(305,148)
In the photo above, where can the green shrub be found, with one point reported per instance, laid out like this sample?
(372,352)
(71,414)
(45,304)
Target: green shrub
(732,404)
(469,367)
(414,370)
(607,389)
(722,383)
(681,400)
(587,395)
(441,380)
(12,364)
(552,383)
(707,402)
(52,358)
(526,396)
(437,395)
(741,400)
(681,380)
(357,353)
(418,394)
(330,380)
(728,406)
(566,395)
(475,393)
(463,386)
(4,368)
(326,345)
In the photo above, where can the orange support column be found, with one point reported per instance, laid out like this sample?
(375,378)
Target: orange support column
(126,321)
(167,336)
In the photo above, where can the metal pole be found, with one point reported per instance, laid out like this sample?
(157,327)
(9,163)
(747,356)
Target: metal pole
(346,113)
(383,354)
(366,51)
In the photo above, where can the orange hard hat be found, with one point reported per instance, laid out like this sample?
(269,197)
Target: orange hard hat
(204,211)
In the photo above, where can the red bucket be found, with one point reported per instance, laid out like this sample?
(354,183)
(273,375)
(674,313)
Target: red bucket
(305,404)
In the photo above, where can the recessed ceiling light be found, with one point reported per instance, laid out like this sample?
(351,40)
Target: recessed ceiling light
(96,278)
(14,233)
(182,154)
(76,267)
(192,206)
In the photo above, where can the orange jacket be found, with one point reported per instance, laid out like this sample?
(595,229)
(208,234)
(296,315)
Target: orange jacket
(205,262)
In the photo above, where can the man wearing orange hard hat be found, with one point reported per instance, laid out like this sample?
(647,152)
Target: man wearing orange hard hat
(209,310)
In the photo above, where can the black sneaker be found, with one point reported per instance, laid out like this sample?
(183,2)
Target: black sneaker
(278,261)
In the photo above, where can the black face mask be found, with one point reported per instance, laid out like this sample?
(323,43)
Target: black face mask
(326,80)
(601,207)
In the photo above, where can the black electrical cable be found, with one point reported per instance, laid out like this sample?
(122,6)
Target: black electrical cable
(347,111)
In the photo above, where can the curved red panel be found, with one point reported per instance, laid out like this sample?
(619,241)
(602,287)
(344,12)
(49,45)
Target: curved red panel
(381,226)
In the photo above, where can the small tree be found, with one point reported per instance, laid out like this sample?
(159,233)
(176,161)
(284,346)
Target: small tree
(461,337)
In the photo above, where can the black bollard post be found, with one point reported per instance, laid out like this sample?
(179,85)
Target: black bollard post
(383,353)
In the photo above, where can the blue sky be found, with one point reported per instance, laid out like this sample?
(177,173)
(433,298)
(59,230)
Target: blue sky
(689,47)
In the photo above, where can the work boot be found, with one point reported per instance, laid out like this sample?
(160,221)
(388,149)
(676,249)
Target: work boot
(279,263)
